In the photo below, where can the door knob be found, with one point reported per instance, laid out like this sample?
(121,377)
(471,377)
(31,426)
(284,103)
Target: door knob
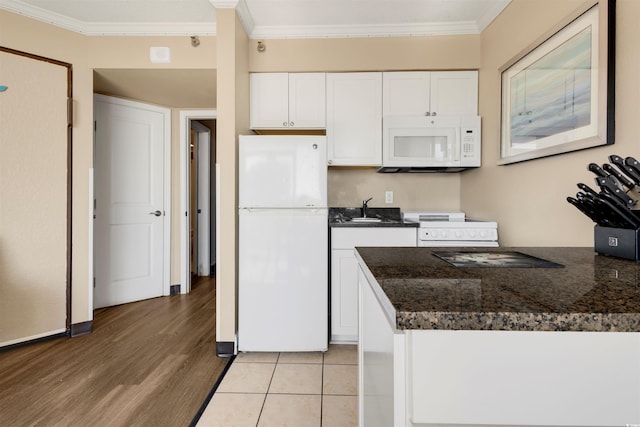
(156,213)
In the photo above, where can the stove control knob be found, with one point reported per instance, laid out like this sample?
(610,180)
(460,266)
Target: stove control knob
(483,234)
(458,233)
(434,233)
(472,233)
(445,233)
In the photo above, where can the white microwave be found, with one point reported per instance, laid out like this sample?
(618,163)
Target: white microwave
(430,144)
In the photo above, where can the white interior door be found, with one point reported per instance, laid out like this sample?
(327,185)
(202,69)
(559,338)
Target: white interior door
(130,139)
(203,141)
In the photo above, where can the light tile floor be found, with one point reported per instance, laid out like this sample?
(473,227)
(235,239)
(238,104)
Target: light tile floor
(288,389)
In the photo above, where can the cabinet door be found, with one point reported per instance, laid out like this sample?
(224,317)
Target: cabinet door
(354,119)
(406,93)
(344,296)
(269,100)
(307,100)
(344,272)
(454,93)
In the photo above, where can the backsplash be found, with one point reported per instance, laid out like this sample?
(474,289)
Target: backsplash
(433,191)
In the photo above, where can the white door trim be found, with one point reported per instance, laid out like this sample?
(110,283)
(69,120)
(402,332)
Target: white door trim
(166,250)
(185,127)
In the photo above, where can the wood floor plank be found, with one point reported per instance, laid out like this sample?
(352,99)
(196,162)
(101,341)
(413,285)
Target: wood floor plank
(149,363)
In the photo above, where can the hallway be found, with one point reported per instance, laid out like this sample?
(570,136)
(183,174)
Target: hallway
(148,363)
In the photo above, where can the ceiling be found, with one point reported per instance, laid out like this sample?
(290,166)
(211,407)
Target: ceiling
(262,19)
(265,18)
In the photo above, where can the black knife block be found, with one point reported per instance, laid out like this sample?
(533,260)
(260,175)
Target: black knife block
(617,242)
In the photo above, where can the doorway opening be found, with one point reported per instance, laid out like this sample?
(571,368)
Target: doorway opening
(198,195)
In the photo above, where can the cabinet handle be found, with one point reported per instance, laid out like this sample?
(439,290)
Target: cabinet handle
(427,113)
(284,124)
(291,124)
(433,114)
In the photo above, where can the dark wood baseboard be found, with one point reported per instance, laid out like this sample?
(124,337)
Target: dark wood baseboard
(81,328)
(225,348)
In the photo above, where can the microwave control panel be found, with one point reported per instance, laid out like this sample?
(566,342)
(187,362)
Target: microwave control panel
(470,143)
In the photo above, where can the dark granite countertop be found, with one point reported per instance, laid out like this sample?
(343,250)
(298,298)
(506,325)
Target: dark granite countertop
(590,293)
(388,217)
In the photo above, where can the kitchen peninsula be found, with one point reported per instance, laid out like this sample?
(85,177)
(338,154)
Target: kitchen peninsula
(447,345)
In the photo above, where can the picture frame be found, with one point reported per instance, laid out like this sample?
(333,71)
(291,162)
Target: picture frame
(558,94)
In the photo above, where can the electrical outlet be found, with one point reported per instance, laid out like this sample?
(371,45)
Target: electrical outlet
(388,197)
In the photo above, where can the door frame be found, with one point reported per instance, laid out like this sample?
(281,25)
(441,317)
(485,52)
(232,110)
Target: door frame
(203,196)
(166,184)
(186,116)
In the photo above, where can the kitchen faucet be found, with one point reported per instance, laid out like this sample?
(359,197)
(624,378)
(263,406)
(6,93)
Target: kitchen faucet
(365,207)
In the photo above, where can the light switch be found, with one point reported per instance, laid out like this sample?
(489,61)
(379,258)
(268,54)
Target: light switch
(388,197)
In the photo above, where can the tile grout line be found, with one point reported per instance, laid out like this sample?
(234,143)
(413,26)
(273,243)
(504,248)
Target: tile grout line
(322,388)
(268,387)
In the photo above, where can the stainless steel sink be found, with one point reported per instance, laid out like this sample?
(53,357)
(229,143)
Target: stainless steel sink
(366,219)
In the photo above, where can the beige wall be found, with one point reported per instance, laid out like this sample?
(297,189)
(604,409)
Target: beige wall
(348,187)
(133,52)
(233,108)
(367,54)
(529,199)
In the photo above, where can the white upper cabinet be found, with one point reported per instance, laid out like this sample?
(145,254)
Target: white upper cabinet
(288,101)
(354,119)
(430,93)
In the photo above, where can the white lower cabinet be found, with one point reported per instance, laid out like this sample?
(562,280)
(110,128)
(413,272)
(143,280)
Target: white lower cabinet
(420,378)
(344,272)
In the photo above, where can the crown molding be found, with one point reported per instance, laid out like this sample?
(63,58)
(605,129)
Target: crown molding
(109,29)
(253,31)
(224,4)
(347,31)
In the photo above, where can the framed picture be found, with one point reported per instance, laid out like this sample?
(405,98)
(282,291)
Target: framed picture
(558,94)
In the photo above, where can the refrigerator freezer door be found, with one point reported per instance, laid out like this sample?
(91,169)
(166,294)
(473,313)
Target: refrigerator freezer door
(282,276)
(282,171)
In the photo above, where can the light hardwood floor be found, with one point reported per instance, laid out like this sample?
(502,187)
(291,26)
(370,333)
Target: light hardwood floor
(149,363)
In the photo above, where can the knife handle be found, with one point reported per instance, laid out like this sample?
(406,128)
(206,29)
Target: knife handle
(608,186)
(621,164)
(633,164)
(593,167)
(614,172)
(587,189)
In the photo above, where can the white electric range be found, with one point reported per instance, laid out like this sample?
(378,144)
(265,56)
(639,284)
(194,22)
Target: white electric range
(441,229)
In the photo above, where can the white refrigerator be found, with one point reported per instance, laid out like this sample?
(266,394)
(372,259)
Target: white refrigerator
(283,244)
